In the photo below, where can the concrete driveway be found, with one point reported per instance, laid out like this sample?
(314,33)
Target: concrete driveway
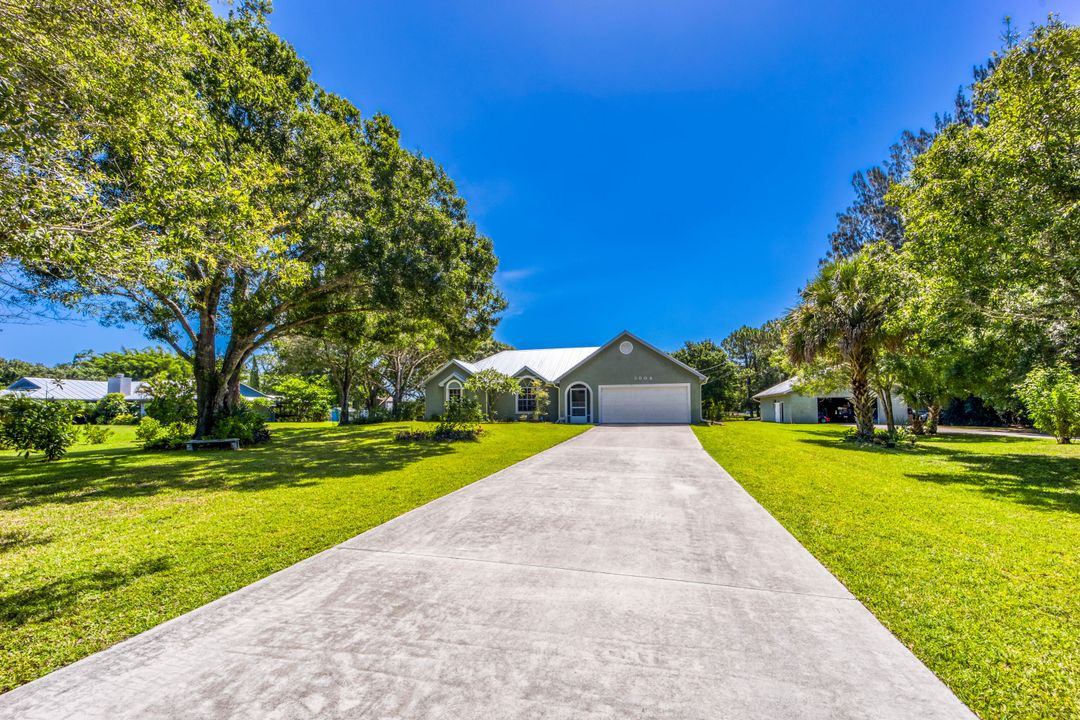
(620,574)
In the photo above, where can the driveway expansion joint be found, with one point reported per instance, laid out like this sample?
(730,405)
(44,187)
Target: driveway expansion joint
(592,571)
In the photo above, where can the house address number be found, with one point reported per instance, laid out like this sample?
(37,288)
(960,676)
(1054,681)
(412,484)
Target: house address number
(640,378)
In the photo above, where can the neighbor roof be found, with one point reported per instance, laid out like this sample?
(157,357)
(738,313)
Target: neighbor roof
(784,388)
(548,363)
(38,388)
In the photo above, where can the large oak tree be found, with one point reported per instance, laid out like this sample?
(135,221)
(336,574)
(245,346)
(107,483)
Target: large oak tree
(241,204)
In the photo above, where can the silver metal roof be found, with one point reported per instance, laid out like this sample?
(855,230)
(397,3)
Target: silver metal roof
(60,389)
(39,388)
(549,363)
(787,387)
(783,388)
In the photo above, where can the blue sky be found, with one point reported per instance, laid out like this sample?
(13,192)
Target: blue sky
(673,168)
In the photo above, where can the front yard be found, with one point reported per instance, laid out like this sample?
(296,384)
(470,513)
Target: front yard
(112,540)
(967,548)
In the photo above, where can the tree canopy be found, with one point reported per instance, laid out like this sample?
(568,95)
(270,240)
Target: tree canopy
(992,207)
(221,199)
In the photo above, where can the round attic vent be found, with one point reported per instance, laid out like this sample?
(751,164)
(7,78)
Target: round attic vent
(626,347)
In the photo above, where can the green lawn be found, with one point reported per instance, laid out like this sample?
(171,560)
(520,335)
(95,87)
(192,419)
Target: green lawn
(966,548)
(113,540)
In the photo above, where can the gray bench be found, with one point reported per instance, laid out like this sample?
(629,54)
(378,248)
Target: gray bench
(224,444)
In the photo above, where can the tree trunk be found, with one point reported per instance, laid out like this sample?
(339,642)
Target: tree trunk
(345,391)
(211,392)
(917,426)
(933,417)
(886,404)
(863,400)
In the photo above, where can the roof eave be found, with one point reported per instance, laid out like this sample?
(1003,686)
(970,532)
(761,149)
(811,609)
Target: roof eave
(638,340)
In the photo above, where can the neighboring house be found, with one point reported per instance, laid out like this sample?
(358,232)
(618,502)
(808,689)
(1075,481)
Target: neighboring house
(134,391)
(781,403)
(626,380)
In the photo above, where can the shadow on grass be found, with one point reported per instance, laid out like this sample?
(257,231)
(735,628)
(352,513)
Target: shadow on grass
(296,457)
(1049,482)
(45,602)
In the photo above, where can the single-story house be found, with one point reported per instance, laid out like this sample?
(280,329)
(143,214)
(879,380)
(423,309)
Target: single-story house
(625,380)
(781,403)
(134,391)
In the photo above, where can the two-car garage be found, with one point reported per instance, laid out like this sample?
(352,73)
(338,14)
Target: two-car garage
(652,403)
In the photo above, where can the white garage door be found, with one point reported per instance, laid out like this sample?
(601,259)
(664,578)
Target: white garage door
(645,403)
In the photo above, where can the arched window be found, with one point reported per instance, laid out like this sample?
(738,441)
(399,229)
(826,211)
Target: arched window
(453,390)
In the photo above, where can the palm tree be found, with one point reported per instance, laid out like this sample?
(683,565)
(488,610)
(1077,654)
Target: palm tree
(842,317)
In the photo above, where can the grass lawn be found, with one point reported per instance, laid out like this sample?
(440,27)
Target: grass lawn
(967,548)
(113,540)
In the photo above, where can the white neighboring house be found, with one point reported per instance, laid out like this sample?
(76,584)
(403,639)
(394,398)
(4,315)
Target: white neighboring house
(781,403)
(134,391)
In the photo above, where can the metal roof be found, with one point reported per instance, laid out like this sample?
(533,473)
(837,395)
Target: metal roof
(39,388)
(788,387)
(549,363)
(783,388)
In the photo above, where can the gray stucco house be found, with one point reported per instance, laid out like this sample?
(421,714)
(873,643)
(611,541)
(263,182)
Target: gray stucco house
(626,380)
(782,403)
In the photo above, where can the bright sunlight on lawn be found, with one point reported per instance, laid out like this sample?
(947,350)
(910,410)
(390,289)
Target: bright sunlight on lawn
(966,548)
(112,540)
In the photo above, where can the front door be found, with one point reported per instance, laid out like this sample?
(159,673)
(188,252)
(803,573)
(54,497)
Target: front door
(579,404)
(779,410)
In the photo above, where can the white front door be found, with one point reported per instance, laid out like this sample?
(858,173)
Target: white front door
(579,404)
(778,411)
(661,404)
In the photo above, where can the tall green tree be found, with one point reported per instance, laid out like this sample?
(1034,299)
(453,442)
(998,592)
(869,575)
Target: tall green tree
(991,207)
(723,390)
(842,319)
(872,217)
(755,350)
(139,364)
(249,206)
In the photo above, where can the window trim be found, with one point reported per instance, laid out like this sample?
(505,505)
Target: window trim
(518,397)
(454,384)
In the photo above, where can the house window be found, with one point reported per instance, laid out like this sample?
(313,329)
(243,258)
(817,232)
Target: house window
(526,399)
(453,390)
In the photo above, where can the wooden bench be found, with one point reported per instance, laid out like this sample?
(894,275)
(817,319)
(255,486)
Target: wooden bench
(224,444)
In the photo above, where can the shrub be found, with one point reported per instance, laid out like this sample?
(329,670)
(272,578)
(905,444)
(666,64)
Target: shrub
(96,434)
(155,436)
(245,423)
(1052,399)
(304,399)
(173,400)
(109,407)
(461,414)
(263,407)
(28,426)
(440,434)
(414,436)
(125,419)
(411,410)
(883,437)
(374,415)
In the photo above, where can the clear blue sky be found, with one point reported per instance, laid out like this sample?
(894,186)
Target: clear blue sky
(673,168)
